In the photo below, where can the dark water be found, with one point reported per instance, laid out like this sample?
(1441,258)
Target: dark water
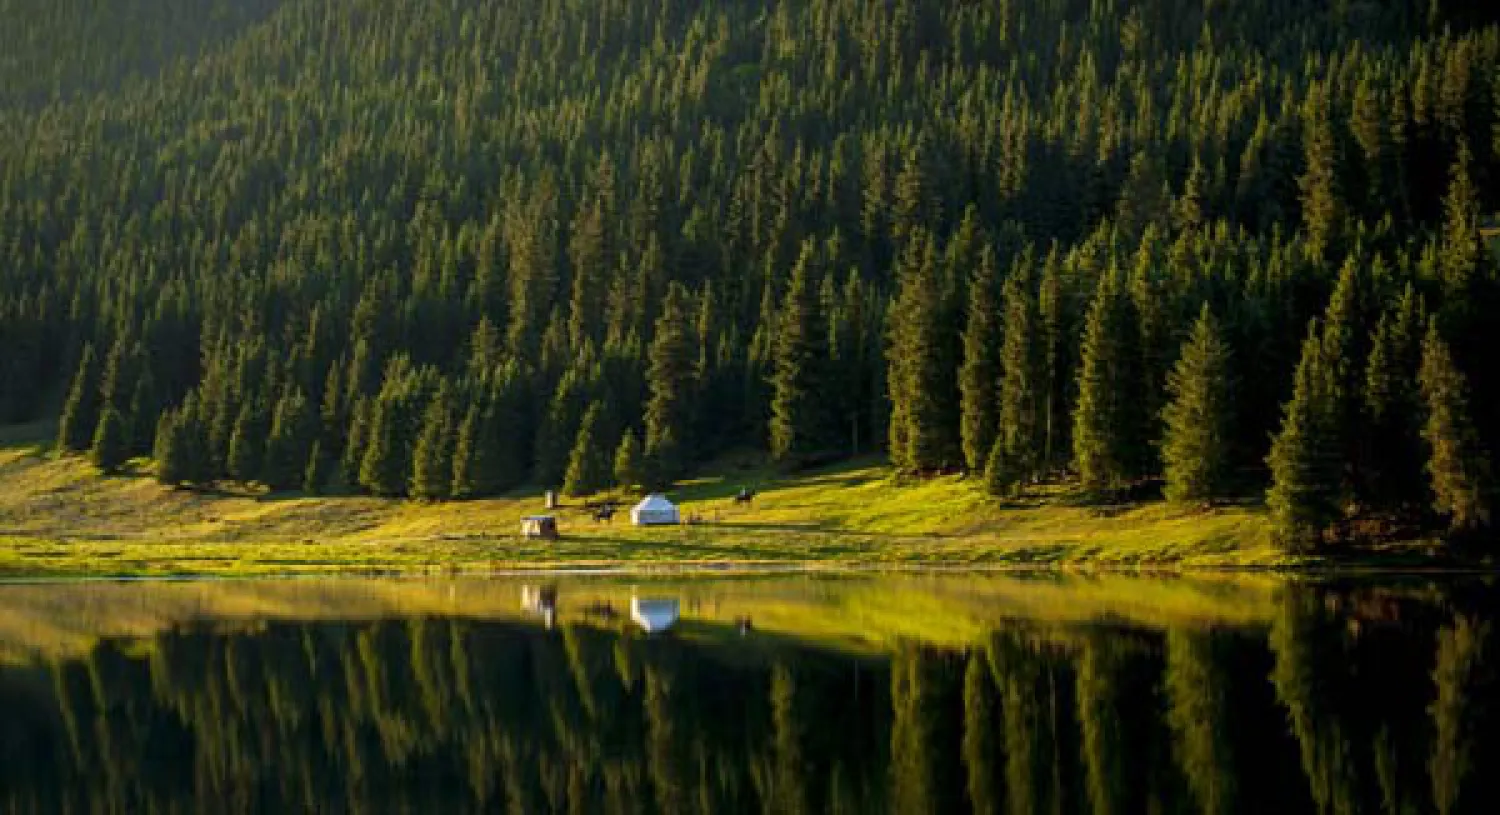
(1044,697)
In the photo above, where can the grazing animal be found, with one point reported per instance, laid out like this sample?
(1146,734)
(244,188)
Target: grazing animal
(745,496)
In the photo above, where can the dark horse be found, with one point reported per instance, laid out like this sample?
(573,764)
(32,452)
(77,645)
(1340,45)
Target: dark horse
(745,496)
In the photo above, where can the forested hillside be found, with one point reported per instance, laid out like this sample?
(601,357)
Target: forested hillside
(443,249)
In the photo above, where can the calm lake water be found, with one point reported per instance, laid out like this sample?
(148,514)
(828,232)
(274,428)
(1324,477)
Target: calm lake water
(915,693)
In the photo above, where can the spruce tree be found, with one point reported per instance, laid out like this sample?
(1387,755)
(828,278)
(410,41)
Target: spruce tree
(469,454)
(1393,477)
(1106,427)
(1001,478)
(171,454)
(315,475)
(798,408)
(671,384)
(589,465)
(628,462)
(433,458)
(293,430)
(1021,396)
(383,469)
(980,375)
(247,443)
(924,433)
(1463,253)
(110,449)
(357,440)
(1195,451)
(80,414)
(1306,460)
(1322,196)
(1457,464)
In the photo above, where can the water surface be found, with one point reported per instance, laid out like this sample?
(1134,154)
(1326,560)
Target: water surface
(910,693)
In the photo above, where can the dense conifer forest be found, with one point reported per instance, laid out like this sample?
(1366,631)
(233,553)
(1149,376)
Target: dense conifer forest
(441,249)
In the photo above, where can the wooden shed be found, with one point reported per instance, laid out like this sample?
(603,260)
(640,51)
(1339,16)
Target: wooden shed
(543,527)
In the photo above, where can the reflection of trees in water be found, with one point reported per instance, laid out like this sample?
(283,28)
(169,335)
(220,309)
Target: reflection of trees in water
(1198,689)
(1460,713)
(460,715)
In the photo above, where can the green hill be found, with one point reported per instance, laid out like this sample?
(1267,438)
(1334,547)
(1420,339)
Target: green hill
(440,251)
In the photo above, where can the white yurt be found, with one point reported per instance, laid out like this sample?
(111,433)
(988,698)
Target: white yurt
(655,510)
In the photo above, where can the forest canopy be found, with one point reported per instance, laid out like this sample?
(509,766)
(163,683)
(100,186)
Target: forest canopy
(441,250)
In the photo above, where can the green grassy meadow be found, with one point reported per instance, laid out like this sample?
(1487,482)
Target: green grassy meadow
(60,517)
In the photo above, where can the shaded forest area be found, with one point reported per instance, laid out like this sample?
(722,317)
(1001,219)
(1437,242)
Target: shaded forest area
(1322,713)
(443,250)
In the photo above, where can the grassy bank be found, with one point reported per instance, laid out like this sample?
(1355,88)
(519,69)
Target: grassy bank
(60,517)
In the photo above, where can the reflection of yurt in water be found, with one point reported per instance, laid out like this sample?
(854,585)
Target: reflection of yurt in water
(654,615)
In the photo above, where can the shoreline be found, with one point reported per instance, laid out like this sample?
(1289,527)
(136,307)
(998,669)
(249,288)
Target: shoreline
(689,569)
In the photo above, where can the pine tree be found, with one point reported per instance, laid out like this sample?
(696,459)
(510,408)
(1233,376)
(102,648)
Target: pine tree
(110,449)
(171,454)
(1306,460)
(1392,408)
(589,465)
(1197,417)
(1322,198)
(1053,325)
(1463,253)
(293,430)
(315,475)
(80,414)
(1106,427)
(799,424)
(358,439)
(1457,465)
(628,462)
(469,455)
(247,444)
(924,432)
(433,458)
(671,384)
(1001,478)
(979,377)
(1020,429)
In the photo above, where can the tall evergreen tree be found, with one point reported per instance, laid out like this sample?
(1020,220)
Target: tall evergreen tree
(171,455)
(1393,411)
(80,414)
(1322,197)
(589,464)
(1020,429)
(671,384)
(923,424)
(628,462)
(1457,464)
(1198,417)
(799,411)
(1306,462)
(247,443)
(433,458)
(110,449)
(1106,427)
(293,431)
(1464,255)
(979,377)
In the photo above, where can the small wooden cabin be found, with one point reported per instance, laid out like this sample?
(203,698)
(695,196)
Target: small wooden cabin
(542,527)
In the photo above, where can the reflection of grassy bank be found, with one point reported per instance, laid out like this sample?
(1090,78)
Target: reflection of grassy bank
(848,612)
(61,518)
